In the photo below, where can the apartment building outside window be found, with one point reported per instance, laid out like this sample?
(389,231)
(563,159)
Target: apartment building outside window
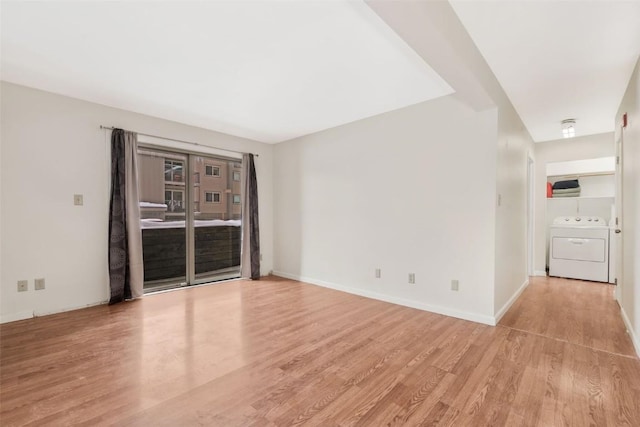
(212,197)
(174,199)
(210,170)
(173,170)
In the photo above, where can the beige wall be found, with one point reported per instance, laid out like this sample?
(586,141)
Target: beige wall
(630,282)
(579,148)
(53,148)
(409,191)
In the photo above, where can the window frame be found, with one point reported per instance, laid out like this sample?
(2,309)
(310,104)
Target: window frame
(213,193)
(169,205)
(173,163)
(213,169)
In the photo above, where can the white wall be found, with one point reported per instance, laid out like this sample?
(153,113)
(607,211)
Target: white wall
(630,283)
(514,146)
(410,191)
(586,147)
(435,32)
(52,148)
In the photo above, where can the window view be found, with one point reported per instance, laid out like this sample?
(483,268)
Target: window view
(174,199)
(173,171)
(212,197)
(212,170)
(188,246)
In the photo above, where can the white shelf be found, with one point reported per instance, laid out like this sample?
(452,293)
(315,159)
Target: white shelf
(600,166)
(580,198)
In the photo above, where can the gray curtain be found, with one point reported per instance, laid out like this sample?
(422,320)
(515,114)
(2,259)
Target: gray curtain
(126,274)
(250,265)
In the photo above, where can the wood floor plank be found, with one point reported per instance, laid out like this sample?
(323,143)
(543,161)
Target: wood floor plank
(278,352)
(575,311)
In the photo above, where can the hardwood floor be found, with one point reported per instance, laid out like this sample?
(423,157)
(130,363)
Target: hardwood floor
(578,312)
(278,352)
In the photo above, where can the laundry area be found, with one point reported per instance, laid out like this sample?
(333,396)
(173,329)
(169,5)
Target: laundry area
(580,219)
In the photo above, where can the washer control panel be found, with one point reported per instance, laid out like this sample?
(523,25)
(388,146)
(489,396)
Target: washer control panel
(579,220)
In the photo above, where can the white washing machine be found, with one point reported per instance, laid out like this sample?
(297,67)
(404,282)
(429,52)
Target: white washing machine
(579,248)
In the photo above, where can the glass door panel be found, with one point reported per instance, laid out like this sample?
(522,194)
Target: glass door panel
(190,218)
(161,192)
(216,213)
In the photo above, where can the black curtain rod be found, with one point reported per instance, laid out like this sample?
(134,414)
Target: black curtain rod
(180,140)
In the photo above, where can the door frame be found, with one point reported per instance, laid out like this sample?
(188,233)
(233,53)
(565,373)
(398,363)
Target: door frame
(618,222)
(530,213)
(187,155)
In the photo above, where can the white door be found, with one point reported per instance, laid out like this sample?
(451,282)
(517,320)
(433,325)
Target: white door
(616,236)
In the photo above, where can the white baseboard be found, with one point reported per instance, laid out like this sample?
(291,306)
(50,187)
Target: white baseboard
(13,317)
(30,314)
(540,273)
(635,339)
(64,310)
(509,303)
(465,315)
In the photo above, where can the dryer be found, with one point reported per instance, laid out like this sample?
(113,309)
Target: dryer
(579,248)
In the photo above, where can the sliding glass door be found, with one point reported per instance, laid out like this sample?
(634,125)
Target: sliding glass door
(190,218)
(216,213)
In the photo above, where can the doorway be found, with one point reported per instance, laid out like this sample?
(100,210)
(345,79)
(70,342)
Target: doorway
(617,223)
(190,217)
(530,214)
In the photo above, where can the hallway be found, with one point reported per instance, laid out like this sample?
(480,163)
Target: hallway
(573,311)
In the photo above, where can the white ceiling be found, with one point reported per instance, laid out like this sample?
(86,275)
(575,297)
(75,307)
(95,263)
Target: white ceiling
(558,59)
(274,70)
(265,70)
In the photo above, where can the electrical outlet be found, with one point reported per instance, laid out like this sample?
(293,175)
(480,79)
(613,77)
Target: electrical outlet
(39,284)
(78,200)
(377,273)
(454,285)
(412,278)
(23,285)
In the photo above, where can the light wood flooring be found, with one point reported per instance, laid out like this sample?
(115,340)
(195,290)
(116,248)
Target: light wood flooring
(278,353)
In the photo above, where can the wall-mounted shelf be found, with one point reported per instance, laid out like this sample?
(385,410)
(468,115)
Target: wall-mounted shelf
(581,197)
(577,176)
(588,167)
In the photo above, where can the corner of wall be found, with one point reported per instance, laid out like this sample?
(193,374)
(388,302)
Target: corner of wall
(503,310)
(446,311)
(635,338)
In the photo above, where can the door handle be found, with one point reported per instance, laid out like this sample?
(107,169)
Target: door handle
(618,231)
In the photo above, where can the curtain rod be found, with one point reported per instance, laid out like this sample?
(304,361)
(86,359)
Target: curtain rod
(179,140)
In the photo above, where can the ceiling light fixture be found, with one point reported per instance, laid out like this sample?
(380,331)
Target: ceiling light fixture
(568,128)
